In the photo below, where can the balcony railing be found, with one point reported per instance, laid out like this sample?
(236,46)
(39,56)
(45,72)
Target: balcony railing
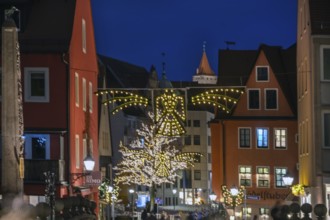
(34,170)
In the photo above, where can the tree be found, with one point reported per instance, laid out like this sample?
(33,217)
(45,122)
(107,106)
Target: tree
(151,159)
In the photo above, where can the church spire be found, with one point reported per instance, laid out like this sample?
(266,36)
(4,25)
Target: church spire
(204,73)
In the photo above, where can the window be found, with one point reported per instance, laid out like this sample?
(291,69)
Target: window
(196,123)
(84,93)
(280,138)
(245,176)
(37,146)
(262,138)
(270,99)
(262,73)
(279,173)
(244,137)
(187,140)
(325,62)
(76,88)
(209,158)
(264,211)
(247,211)
(83,30)
(90,95)
(263,177)
(326,129)
(197,175)
(208,140)
(197,140)
(36,84)
(254,98)
(77,152)
(84,148)
(186,180)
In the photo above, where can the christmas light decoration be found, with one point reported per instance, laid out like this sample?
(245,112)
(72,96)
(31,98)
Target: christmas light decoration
(223,98)
(122,99)
(231,199)
(170,114)
(298,190)
(105,194)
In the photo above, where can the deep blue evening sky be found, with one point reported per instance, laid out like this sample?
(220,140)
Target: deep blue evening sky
(138,31)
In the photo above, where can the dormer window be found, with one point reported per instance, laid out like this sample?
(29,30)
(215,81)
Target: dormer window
(262,74)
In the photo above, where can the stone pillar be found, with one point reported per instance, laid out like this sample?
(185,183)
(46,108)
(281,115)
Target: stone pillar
(12,116)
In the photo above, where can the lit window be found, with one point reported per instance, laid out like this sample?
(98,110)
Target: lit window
(83,29)
(254,99)
(326,129)
(77,151)
(264,211)
(36,82)
(279,173)
(280,138)
(37,146)
(247,212)
(262,138)
(90,95)
(262,73)
(84,93)
(76,83)
(270,99)
(263,177)
(245,176)
(244,137)
(325,62)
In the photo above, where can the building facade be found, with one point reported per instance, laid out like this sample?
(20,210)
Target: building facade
(313,81)
(256,145)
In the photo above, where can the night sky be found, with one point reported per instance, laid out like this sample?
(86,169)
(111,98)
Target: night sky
(140,31)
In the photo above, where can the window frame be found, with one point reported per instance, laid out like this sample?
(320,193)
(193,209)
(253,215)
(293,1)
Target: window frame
(257,76)
(90,97)
(77,151)
(322,47)
(282,186)
(28,71)
(239,137)
(265,98)
(84,94)
(246,175)
(257,138)
(76,88)
(197,175)
(28,145)
(83,36)
(196,123)
(263,176)
(195,140)
(248,101)
(286,139)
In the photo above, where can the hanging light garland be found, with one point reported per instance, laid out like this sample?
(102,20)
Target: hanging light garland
(223,99)
(122,99)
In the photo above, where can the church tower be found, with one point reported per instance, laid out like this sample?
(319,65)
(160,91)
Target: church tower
(204,73)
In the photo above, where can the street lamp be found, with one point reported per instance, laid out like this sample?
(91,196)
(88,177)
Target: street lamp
(287,179)
(233,196)
(131,191)
(174,192)
(212,197)
(89,164)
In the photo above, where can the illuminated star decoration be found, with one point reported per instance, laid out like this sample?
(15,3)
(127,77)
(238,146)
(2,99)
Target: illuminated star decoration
(224,99)
(170,114)
(231,200)
(122,99)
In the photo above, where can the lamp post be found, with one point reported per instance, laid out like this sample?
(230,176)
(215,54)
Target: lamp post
(287,179)
(89,164)
(174,192)
(212,198)
(110,191)
(234,193)
(131,191)
(233,196)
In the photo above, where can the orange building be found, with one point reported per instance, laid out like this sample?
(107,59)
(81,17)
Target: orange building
(256,145)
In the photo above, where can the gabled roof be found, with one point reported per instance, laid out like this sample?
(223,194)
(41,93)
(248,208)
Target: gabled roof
(320,17)
(235,67)
(45,25)
(121,74)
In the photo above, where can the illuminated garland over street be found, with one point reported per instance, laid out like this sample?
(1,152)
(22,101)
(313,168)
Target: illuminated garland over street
(232,200)
(223,99)
(123,99)
(151,159)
